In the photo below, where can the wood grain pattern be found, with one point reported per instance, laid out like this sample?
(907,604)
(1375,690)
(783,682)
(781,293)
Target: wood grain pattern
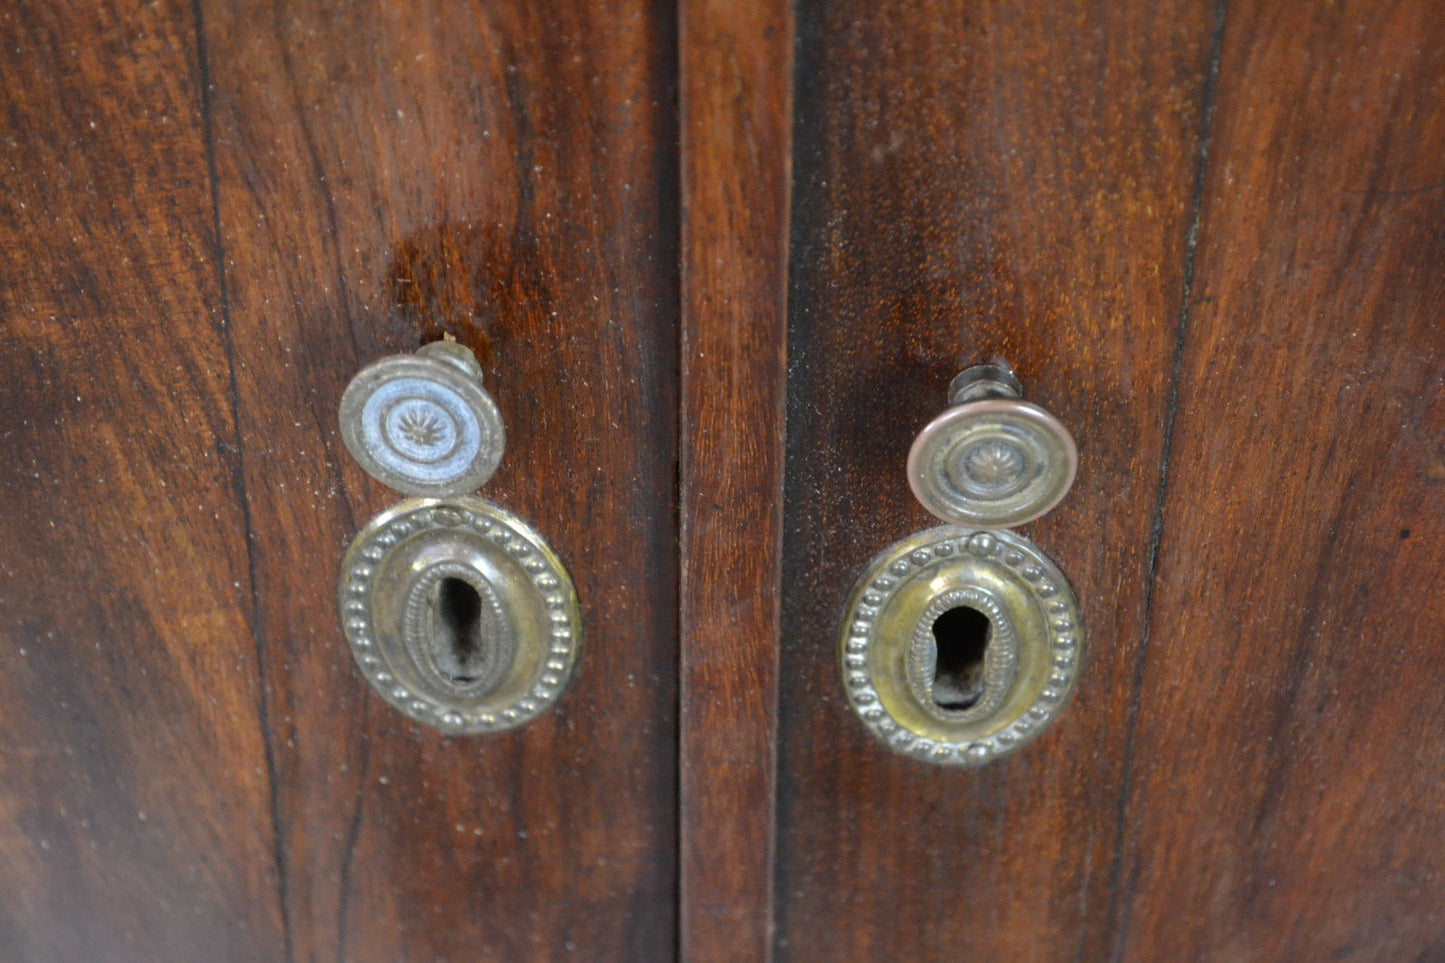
(974,180)
(134,809)
(514,159)
(1207,234)
(735,63)
(1287,798)
(194,769)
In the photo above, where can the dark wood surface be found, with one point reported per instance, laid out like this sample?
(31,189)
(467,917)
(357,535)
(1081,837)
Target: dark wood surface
(510,167)
(193,767)
(1208,234)
(1286,799)
(735,61)
(1211,240)
(135,813)
(974,180)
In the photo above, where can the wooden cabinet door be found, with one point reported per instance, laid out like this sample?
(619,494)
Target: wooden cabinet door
(720,260)
(1209,235)
(214,214)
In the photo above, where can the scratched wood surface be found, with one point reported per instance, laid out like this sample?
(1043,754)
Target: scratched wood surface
(1287,796)
(973,180)
(135,814)
(214,214)
(734,60)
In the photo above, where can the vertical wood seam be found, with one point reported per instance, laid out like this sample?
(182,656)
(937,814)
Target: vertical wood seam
(734,105)
(1121,902)
(238,481)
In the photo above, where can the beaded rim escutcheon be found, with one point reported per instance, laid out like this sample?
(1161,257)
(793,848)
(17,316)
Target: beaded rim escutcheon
(1027,570)
(379,653)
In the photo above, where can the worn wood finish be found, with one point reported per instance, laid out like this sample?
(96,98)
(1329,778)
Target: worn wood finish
(134,811)
(971,180)
(735,61)
(387,170)
(1287,800)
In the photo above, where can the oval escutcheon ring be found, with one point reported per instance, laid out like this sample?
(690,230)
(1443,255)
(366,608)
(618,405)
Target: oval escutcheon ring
(1019,668)
(459,614)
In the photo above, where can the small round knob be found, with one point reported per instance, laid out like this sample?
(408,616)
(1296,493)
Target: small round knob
(422,423)
(991,460)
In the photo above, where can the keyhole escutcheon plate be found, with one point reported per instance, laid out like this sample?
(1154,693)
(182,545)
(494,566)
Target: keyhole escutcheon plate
(958,646)
(459,614)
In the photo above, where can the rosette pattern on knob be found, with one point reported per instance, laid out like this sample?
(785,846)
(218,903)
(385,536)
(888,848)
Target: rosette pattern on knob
(423,424)
(962,643)
(991,460)
(458,613)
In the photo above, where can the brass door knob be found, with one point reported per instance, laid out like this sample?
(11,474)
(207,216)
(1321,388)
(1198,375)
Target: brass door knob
(422,423)
(992,460)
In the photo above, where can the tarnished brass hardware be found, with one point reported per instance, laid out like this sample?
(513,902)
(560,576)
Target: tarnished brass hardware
(958,646)
(459,614)
(991,460)
(422,423)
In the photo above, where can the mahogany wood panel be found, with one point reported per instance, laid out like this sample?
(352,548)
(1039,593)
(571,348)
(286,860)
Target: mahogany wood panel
(504,172)
(135,818)
(1288,789)
(975,179)
(735,68)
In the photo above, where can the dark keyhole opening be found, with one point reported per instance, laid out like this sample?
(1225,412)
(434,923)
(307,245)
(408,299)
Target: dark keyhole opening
(962,636)
(458,649)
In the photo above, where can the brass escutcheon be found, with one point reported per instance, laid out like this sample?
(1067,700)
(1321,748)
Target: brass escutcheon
(459,614)
(992,596)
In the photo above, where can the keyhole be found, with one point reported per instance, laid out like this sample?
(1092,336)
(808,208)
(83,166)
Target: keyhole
(458,646)
(962,636)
